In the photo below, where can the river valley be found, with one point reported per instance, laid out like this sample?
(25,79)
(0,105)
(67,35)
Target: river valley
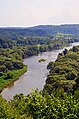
(36,75)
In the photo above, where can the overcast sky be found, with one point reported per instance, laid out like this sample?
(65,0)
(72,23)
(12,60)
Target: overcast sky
(35,12)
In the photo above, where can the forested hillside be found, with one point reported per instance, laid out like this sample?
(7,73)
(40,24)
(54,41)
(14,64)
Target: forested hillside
(43,34)
(41,30)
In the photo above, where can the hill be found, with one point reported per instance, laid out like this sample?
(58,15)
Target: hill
(41,30)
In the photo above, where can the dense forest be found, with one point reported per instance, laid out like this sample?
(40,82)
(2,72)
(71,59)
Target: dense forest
(64,72)
(59,98)
(41,30)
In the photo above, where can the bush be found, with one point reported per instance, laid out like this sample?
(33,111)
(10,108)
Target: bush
(71,75)
(18,65)
(1,73)
(9,65)
(3,68)
(65,51)
(75,49)
(9,75)
(50,65)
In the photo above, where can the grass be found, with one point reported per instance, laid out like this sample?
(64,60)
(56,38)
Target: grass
(16,74)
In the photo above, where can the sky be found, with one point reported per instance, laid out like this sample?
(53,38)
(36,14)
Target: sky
(25,13)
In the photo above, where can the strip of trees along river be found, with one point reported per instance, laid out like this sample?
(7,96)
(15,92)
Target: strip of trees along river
(36,75)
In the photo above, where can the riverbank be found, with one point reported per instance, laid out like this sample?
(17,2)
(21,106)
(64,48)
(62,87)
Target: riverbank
(36,75)
(5,82)
(16,74)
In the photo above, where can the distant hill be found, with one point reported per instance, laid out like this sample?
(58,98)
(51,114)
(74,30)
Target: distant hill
(41,30)
(53,29)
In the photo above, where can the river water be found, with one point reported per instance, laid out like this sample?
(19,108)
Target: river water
(36,75)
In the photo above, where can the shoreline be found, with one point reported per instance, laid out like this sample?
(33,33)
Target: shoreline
(15,79)
(25,70)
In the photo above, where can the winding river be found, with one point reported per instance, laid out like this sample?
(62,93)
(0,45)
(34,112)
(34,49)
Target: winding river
(36,75)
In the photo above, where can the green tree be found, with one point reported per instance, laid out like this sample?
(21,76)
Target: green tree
(9,75)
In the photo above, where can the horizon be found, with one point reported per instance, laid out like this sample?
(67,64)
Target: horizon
(24,13)
(37,25)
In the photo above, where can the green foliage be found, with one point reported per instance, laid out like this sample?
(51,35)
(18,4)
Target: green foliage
(3,68)
(9,112)
(65,51)
(9,75)
(5,110)
(1,73)
(9,65)
(50,65)
(6,43)
(41,105)
(64,72)
(18,65)
(41,60)
(71,75)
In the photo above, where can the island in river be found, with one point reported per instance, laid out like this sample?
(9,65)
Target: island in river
(36,75)
(42,60)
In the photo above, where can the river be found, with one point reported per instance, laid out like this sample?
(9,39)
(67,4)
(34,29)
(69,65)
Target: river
(36,75)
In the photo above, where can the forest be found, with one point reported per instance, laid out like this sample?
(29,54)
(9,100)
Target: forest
(64,72)
(41,30)
(58,100)
(59,97)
